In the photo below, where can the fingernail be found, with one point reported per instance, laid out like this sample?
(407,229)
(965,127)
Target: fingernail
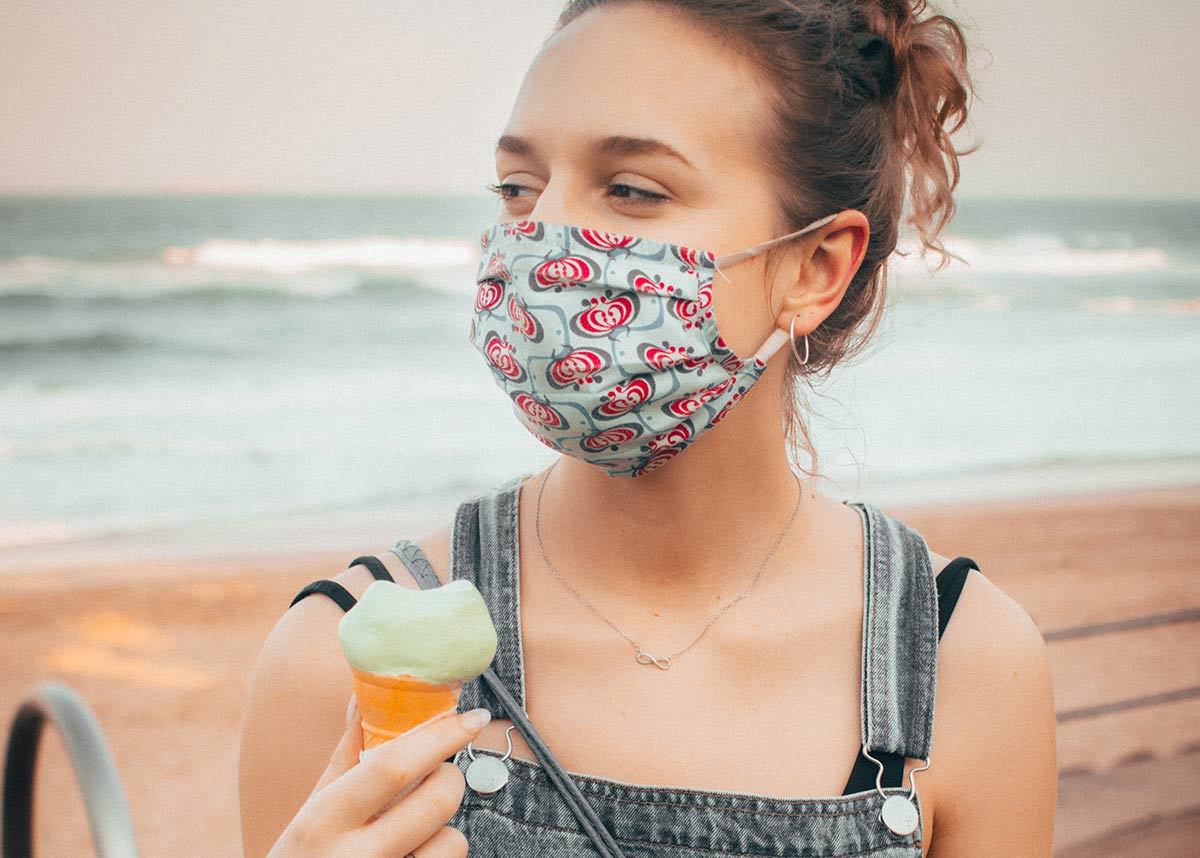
(350,711)
(476,719)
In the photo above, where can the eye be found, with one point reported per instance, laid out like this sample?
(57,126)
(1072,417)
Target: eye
(508,190)
(635,195)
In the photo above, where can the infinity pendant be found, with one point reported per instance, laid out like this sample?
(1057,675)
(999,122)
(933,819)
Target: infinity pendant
(644,657)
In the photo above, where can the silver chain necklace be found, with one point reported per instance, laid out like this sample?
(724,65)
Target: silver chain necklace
(643,657)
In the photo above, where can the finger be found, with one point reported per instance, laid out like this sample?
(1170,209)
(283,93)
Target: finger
(449,842)
(364,789)
(419,816)
(345,755)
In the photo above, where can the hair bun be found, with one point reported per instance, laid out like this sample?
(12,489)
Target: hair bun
(877,54)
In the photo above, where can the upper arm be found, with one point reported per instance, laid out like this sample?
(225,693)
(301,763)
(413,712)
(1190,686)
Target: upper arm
(295,712)
(994,734)
(294,716)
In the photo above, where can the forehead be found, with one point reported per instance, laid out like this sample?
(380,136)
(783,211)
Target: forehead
(644,70)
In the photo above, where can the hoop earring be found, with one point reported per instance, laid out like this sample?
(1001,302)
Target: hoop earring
(792,341)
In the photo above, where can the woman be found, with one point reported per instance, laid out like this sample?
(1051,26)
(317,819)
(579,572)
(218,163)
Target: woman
(710,666)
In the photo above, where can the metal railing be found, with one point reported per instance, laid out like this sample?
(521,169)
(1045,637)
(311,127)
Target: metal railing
(95,771)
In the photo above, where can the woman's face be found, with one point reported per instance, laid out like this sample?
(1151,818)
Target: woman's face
(634,120)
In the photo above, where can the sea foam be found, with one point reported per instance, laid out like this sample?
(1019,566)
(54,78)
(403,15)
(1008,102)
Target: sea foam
(1031,254)
(291,257)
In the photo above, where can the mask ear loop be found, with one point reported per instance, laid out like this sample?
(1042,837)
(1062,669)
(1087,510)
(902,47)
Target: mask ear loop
(750,252)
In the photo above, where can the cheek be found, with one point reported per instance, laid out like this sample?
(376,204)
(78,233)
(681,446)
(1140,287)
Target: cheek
(742,308)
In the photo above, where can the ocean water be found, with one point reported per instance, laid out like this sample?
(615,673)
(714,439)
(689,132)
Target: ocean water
(231,372)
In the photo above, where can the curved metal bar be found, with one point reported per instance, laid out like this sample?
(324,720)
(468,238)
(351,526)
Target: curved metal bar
(95,771)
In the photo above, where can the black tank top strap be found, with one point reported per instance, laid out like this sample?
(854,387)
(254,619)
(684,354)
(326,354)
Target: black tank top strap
(332,589)
(374,565)
(336,591)
(949,585)
(862,776)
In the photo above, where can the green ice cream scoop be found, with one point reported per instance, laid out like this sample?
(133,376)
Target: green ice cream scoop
(440,634)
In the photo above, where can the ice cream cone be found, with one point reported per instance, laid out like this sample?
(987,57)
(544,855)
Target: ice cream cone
(391,705)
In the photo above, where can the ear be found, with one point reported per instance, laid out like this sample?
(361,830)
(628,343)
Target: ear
(834,254)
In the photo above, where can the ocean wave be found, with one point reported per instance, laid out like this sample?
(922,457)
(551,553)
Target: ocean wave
(94,343)
(37,280)
(105,446)
(1127,304)
(73,282)
(1030,254)
(378,267)
(294,257)
(257,270)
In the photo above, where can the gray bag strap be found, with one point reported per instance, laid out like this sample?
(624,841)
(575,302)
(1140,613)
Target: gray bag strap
(415,561)
(575,799)
(419,566)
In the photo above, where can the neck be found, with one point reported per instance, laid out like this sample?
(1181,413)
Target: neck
(701,525)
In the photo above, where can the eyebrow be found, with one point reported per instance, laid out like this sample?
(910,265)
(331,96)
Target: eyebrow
(612,145)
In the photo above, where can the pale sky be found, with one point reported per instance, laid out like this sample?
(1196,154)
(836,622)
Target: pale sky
(1076,98)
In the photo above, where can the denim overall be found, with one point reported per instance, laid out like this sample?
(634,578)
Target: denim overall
(546,811)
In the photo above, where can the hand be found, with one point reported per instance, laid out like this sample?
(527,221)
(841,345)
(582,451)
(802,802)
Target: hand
(354,810)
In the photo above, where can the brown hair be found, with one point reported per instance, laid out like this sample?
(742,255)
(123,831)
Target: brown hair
(860,123)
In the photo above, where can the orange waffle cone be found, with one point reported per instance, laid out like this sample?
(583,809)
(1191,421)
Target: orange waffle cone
(391,705)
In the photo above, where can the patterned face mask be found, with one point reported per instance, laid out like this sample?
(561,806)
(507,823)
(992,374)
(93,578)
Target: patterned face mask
(606,343)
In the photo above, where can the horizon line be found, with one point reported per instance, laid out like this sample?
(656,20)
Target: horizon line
(16,193)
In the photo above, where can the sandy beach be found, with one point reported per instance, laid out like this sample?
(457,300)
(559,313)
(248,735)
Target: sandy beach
(162,651)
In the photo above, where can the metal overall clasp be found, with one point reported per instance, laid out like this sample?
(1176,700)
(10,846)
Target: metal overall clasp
(899,813)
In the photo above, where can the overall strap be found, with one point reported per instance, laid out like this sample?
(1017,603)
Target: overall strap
(949,585)
(484,549)
(900,637)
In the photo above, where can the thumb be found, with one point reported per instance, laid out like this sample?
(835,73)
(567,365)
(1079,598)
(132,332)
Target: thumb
(345,755)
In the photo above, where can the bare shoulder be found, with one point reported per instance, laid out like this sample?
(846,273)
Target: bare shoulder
(989,641)
(299,691)
(994,729)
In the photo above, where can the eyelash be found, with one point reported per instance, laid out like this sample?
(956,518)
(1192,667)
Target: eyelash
(637,196)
